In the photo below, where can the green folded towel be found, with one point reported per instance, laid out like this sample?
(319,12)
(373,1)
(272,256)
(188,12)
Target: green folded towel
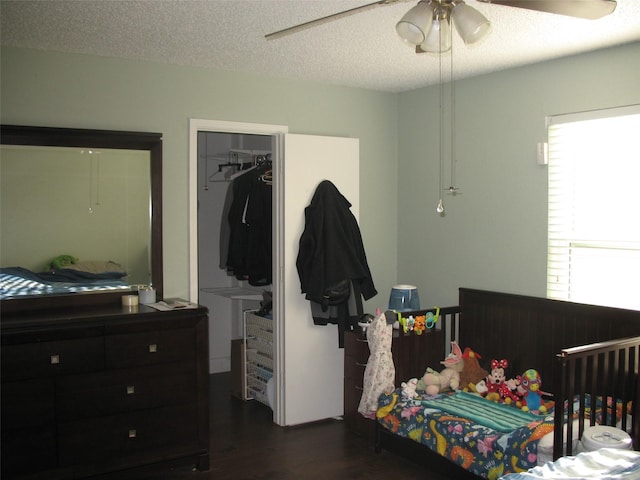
(63,261)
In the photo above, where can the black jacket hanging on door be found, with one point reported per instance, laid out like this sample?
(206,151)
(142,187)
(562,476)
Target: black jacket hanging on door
(331,251)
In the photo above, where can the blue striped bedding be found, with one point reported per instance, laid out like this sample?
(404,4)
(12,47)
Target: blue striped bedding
(18,282)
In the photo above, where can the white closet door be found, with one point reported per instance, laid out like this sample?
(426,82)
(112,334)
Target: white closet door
(309,366)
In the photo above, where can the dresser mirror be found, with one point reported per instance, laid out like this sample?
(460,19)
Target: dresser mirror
(80,216)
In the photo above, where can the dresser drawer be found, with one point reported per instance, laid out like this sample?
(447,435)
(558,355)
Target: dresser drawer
(44,359)
(147,348)
(117,391)
(354,369)
(118,436)
(27,404)
(356,345)
(28,426)
(29,450)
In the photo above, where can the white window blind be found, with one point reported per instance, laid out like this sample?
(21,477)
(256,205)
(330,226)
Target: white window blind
(594,207)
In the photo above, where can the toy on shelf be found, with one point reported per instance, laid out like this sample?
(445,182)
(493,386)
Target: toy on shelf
(418,324)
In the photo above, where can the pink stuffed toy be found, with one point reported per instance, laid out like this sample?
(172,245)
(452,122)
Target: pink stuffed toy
(435,382)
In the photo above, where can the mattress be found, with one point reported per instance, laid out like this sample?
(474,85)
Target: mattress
(477,445)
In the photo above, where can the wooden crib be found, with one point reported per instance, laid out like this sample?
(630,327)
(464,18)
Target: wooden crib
(582,351)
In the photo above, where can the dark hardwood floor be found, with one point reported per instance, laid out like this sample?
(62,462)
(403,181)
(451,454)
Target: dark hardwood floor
(246,444)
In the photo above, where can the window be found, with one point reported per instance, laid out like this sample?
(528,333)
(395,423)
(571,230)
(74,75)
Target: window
(594,207)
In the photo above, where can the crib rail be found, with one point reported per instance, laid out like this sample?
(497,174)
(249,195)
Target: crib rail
(603,372)
(412,353)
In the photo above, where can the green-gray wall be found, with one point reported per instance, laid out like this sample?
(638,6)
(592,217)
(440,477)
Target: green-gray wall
(493,235)
(82,91)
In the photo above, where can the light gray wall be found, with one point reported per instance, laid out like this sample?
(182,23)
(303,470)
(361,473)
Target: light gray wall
(493,236)
(81,91)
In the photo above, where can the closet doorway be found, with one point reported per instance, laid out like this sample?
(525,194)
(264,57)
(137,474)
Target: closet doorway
(225,161)
(308,364)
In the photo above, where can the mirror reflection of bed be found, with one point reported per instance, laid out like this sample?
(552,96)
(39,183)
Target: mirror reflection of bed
(73,220)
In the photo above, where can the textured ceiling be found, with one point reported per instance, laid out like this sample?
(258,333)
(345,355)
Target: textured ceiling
(360,50)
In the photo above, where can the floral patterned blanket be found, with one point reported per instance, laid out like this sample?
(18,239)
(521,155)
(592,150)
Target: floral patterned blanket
(484,451)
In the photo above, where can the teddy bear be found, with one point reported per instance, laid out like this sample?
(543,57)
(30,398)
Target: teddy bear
(435,382)
(472,373)
(409,389)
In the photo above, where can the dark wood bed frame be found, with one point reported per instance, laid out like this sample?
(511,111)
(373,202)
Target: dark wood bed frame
(577,349)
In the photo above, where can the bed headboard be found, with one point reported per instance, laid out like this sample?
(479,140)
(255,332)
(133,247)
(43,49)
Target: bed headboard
(530,331)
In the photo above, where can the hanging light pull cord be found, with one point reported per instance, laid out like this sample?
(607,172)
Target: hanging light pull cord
(453,126)
(440,207)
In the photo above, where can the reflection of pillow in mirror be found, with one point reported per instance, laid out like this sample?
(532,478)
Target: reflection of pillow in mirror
(97,266)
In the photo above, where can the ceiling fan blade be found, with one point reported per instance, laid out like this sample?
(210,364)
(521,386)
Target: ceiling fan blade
(328,18)
(589,9)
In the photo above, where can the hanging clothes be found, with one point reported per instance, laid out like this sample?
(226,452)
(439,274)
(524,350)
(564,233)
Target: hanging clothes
(258,216)
(225,228)
(248,214)
(330,252)
(379,374)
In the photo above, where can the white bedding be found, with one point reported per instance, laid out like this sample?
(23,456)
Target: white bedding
(603,464)
(545,445)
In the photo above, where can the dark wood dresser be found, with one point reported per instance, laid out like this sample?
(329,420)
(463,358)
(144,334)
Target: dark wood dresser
(410,358)
(92,390)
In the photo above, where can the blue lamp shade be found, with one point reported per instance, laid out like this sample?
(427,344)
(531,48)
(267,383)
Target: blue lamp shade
(404,298)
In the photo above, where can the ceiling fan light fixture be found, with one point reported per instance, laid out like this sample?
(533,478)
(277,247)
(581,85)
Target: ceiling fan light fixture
(414,26)
(469,22)
(438,39)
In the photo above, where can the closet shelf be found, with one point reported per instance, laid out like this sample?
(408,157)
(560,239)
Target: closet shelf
(236,293)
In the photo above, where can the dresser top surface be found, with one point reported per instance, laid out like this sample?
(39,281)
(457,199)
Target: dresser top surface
(88,315)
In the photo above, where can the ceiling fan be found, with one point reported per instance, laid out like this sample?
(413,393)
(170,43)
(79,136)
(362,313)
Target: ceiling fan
(428,24)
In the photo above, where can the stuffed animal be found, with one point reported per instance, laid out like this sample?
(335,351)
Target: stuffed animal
(472,373)
(509,392)
(435,382)
(480,387)
(530,384)
(409,389)
(496,378)
(420,324)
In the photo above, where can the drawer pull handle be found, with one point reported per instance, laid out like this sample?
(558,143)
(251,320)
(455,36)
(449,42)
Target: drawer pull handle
(358,364)
(363,340)
(133,433)
(131,389)
(359,388)
(153,348)
(55,359)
